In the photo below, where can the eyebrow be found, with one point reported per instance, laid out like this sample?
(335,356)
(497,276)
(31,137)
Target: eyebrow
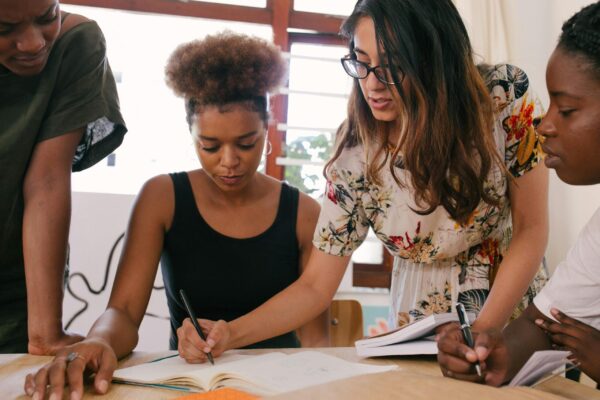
(563,94)
(361,51)
(241,137)
(39,16)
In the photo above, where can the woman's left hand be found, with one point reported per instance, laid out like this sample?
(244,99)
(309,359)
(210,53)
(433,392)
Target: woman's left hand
(582,340)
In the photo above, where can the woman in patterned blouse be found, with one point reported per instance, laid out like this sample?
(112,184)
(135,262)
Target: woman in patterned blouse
(441,160)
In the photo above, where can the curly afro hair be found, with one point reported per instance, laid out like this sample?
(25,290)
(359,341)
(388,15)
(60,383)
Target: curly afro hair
(225,68)
(581,34)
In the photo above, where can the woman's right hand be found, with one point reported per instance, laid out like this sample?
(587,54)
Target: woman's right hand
(193,349)
(68,368)
(456,359)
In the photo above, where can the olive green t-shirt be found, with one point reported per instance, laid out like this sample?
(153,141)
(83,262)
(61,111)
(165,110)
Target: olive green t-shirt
(76,89)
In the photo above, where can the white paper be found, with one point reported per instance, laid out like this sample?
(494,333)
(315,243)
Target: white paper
(412,348)
(539,364)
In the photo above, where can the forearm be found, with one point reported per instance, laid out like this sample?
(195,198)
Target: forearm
(45,231)
(283,313)
(316,332)
(117,329)
(517,270)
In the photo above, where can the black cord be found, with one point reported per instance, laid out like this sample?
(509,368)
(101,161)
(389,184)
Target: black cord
(102,288)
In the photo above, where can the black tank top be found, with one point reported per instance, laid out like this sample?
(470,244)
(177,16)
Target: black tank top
(226,277)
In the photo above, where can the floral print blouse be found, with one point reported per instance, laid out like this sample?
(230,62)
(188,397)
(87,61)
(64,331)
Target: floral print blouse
(437,260)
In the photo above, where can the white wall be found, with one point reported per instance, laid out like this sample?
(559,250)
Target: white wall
(97,221)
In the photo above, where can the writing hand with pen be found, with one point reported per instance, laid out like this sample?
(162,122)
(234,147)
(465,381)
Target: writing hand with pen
(200,340)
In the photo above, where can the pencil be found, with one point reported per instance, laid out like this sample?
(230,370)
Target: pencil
(190,312)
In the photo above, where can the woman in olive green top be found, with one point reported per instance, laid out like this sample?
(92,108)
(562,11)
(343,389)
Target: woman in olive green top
(59,112)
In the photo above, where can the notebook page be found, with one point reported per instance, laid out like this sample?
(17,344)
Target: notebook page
(170,369)
(539,364)
(303,369)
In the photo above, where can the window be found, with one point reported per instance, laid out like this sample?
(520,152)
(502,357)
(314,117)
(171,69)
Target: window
(334,7)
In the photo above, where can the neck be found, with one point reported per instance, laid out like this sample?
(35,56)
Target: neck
(234,199)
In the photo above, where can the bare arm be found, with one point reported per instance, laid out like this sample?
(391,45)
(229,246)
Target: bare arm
(115,332)
(151,215)
(529,206)
(46,220)
(315,333)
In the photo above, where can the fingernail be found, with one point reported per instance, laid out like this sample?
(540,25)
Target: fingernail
(539,321)
(53,396)
(554,311)
(103,386)
(36,396)
(29,391)
(75,396)
(210,342)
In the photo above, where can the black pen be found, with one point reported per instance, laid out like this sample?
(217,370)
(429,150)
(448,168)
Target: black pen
(466,330)
(190,312)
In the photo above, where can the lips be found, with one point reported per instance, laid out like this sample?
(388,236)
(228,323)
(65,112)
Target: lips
(379,103)
(230,179)
(550,158)
(31,60)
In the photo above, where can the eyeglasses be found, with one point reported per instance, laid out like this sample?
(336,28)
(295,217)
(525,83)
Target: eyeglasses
(360,70)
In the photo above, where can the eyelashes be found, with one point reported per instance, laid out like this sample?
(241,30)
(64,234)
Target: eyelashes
(243,147)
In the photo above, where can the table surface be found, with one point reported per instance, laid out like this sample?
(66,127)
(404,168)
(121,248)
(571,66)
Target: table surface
(417,378)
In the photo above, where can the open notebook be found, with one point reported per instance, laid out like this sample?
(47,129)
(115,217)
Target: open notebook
(412,339)
(266,374)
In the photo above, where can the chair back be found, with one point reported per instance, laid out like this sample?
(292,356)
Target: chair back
(346,323)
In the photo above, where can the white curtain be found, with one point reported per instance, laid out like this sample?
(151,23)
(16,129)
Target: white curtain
(486,24)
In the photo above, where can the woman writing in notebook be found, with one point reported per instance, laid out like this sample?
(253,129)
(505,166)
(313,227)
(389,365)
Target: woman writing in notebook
(443,168)
(230,236)
(566,313)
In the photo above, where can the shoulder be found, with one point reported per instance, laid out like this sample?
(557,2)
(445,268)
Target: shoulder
(156,200)
(351,161)
(307,206)
(505,82)
(80,38)
(158,186)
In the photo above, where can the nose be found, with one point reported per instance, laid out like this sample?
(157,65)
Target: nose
(31,41)
(372,83)
(546,127)
(229,157)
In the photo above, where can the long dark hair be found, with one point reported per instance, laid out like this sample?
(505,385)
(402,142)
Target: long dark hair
(445,110)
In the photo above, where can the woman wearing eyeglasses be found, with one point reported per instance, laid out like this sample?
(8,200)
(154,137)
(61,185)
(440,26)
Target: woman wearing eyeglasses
(440,159)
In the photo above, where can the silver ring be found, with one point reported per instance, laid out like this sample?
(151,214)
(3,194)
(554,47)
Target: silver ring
(72,356)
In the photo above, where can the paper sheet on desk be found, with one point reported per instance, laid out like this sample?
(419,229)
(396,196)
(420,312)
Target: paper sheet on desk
(539,364)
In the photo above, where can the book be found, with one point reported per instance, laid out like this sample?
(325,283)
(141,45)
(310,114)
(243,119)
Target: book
(220,394)
(412,339)
(263,375)
(426,346)
(538,365)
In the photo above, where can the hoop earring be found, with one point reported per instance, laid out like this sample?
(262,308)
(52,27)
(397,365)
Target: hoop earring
(269,148)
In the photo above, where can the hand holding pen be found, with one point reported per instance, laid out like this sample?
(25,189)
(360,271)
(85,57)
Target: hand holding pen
(194,321)
(465,327)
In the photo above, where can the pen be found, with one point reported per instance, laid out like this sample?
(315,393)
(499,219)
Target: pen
(190,312)
(466,330)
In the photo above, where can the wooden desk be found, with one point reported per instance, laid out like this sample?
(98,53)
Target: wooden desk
(418,378)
